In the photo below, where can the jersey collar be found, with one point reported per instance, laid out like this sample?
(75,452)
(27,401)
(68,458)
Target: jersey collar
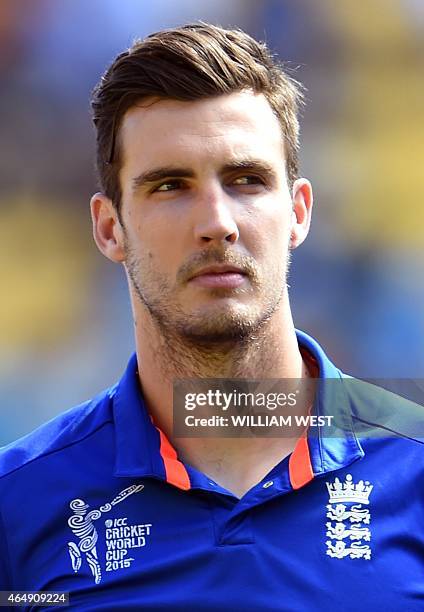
(319,454)
(142,449)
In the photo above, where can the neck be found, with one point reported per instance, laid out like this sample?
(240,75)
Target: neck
(271,352)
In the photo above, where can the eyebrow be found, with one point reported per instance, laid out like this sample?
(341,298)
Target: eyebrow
(165,172)
(159,174)
(251,164)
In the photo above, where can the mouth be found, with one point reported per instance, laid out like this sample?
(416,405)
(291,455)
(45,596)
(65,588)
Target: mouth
(219,276)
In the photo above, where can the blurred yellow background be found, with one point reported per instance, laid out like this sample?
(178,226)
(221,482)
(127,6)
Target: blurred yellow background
(357,283)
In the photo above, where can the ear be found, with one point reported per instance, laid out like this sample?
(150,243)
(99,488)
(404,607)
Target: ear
(107,230)
(301,212)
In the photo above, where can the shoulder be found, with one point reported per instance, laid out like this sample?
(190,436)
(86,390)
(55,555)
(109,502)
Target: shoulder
(58,434)
(379,412)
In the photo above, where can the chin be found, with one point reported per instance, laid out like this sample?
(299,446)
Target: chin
(228,336)
(232,328)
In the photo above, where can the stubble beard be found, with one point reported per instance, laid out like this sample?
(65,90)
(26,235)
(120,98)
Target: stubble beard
(223,328)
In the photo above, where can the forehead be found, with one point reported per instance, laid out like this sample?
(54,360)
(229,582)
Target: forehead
(199,132)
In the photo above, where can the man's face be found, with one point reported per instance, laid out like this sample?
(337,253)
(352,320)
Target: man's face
(204,183)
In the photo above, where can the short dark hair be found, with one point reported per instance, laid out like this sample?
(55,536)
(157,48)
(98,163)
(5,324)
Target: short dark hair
(190,62)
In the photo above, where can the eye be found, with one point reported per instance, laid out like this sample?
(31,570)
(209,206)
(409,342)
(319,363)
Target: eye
(248,179)
(168,186)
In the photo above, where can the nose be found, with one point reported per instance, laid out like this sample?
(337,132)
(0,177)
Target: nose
(214,220)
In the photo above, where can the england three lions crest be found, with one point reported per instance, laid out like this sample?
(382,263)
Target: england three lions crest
(348,528)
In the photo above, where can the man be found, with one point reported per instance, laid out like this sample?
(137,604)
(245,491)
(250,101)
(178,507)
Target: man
(197,138)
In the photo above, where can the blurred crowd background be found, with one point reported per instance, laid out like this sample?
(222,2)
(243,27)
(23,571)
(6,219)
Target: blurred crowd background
(356,284)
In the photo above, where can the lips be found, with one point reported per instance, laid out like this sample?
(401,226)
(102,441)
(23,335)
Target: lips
(219,269)
(219,277)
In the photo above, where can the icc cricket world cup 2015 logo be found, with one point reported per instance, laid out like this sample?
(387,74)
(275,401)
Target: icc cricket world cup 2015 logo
(82,525)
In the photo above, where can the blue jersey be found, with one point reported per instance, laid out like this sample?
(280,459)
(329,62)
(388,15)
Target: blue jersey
(97,503)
